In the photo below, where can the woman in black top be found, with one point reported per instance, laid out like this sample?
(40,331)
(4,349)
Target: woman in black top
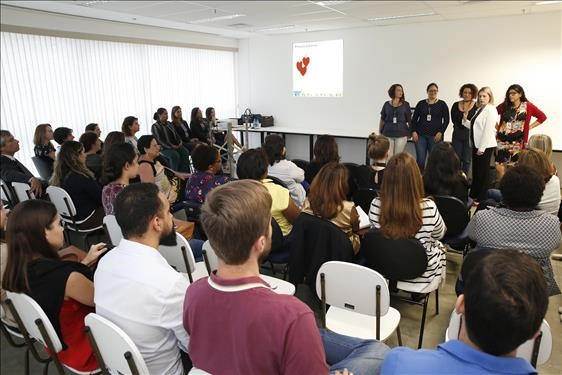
(443,175)
(92,145)
(325,151)
(72,175)
(199,127)
(182,128)
(170,141)
(370,176)
(461,114)
(42,140)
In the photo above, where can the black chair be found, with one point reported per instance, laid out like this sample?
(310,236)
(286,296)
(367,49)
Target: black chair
(192,212)
(280,252)
(396,260)
(456,216)
(364,197)
(302,164)
(277,181)
(44,167)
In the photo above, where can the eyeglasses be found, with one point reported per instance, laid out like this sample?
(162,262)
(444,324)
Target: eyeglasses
(511,93)
(431,90)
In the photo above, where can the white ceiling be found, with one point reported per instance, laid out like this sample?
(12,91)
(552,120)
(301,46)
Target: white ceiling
(241,19)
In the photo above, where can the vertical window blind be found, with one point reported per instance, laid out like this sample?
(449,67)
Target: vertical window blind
(74,82)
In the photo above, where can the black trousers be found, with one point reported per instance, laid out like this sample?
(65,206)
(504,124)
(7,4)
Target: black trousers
(480,173)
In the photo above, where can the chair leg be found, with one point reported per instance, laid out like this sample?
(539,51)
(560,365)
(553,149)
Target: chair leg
(423,320)
(399,335)
(436,301)
(46,368)
(26,357)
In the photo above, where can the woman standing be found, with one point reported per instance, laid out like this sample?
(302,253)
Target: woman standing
(482,134)
(430,120)
(461,114)
(396,118)
(129,128)
(169,140)
(42,140)
(515,122)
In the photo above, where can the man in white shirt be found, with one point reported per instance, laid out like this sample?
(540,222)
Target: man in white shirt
(135,288)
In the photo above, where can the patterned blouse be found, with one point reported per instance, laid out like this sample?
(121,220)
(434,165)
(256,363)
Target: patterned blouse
(108,195)
(201,183)
(43,151)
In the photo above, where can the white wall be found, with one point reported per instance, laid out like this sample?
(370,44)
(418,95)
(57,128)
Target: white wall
(491,52)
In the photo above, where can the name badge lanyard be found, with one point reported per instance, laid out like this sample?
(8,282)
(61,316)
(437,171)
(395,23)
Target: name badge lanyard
(429,110)
(394,117)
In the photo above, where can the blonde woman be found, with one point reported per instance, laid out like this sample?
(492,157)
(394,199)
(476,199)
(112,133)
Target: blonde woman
(543,143)
(42,140)
(483,139)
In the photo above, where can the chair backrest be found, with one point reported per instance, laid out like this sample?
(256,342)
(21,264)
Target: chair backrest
(363,198)
(277,181)
(395,259)
(180,257)
(454,212)
(302,164)
(352,287)
(62,201)
(6,194)
(192,210)
(44,167)
(30,313)
(113,344)
(524,350)
(23,191)
(112,229)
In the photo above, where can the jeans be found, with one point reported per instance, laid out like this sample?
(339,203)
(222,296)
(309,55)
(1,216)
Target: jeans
(357,355)
(196,248)
(178,158)
(423,147)
(397,145)
(462,148)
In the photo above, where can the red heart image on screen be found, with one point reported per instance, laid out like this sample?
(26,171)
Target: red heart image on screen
(305,61)
(301,65)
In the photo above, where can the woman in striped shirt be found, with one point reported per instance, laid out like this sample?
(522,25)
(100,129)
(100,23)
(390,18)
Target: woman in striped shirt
(402,212)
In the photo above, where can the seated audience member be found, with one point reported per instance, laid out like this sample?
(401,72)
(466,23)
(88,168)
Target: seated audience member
(129,128)
(11,170)
(93,127)
(260,332)
(443,174)
(543,143)
(167,181)
(538,161)
(170,141)
(325,151)
(207,163)
(63,289)
(519,225)
(42,140)
(402,212)
(152,290)
(181,127)
(220,136)
(92,145)
(283,169)
(327,199)
(370,177)
(120,166)
(6,316)
(62,134)
(111,139)
(200,129)
(504,302)
(72,175)
(252,165)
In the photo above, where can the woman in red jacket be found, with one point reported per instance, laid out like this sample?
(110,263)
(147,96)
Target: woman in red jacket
(515,122)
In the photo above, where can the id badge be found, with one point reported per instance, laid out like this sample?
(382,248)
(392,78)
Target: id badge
(428,117)
(394,120)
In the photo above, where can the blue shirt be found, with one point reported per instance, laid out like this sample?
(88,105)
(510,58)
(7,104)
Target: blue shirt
(452,357)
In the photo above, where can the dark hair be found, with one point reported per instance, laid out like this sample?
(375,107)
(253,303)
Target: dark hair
(174,119)
(113,138)
(88,140)
(135,207)
(521,188)
(204,156)
(127,125)
(442,171)
(60,134)
(377,146)
(519,89)
(158,112)
(25,234)
(273,147)
(144,142)
(91,127)
(472,87)
(326,149)
(68,161)
(431,84)
(115,159)
(505,299)
(194,118)
(252,165)
(392,92)
(208,112)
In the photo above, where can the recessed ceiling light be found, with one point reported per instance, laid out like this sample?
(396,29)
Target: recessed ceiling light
(547,2)
(92,2)
(401,16)
(219,18)
(330,3)
(277,28)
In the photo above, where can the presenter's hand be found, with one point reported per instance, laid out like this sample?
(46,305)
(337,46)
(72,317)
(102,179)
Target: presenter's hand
(414,136)
(438,137)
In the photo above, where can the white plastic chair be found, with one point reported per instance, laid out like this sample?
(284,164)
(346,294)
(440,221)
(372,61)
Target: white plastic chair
(535,355)
(277,285)
(23,191)
(35,325)
(112,229)
(180,257)
(359,301)
(114,349)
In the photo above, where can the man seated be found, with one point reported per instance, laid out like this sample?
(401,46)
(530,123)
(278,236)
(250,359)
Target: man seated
(11,170)
(136,288)
(237,323)
(504,302)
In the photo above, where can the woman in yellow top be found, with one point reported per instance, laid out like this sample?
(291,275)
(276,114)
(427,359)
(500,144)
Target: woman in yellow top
(327,199)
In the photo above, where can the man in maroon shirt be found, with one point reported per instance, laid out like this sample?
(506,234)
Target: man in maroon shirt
(236,323)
